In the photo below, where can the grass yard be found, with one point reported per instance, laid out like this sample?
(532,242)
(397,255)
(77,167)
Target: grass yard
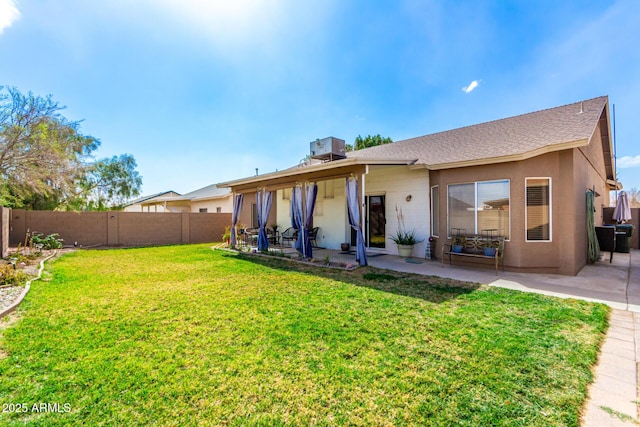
(184,335)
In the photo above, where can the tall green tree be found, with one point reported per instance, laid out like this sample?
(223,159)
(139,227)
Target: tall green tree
(368,141)
(109,183)
(42,153)
(47,163)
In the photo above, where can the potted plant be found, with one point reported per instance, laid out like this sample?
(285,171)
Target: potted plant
(405,239)
(491,248)
(457,244)
(226,237)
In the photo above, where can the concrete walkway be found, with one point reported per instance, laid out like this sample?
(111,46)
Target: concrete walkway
(613,396)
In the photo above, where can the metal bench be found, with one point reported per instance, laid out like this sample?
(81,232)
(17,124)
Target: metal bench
(475,246)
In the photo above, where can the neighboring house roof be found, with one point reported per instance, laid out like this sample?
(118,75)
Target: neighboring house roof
(513,138)
(146,198)
(209,192)
(205,193)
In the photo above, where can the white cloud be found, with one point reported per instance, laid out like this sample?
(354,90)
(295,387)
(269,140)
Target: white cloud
(628,162)
(8,14)
(474,84)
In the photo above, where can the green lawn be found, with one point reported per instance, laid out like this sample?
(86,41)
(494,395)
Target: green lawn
(184,335)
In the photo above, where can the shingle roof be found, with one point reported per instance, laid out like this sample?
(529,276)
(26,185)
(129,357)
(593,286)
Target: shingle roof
(145,198)
(210,191)
(500,140)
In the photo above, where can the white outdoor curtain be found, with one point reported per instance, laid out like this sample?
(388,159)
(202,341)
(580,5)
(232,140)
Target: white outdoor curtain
(296,214)
(263,206)
(622,211)
(237,207)
(353,205)
(311,193)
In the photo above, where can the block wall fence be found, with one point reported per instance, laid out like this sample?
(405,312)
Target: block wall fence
(115,229)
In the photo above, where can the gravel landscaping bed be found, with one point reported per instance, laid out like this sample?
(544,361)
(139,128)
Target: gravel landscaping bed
(8,295)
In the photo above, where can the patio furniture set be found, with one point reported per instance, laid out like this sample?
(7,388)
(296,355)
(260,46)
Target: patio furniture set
(471,245)
(249,236)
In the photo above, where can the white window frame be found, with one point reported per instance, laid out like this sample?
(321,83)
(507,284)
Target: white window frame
(435,232)
(475,189)
(526,220)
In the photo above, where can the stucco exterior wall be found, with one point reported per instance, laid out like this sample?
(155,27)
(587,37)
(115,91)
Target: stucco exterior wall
(246,216)
(330,214)
(588,173)
(397,183)
(225,204)
(572,173)
(282,216)
(394,182)
(140,208)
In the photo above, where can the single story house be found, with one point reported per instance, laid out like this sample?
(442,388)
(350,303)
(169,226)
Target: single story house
(524,178)
(146,203)
(209,199)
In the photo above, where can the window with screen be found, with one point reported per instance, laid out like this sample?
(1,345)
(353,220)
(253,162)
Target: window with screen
(479,208)
(538,209)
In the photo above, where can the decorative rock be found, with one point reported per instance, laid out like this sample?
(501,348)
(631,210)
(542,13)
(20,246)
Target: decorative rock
(9,295)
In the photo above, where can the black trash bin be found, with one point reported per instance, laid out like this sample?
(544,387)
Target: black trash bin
(623,237)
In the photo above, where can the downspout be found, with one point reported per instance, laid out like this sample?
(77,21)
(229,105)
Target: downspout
(615,153)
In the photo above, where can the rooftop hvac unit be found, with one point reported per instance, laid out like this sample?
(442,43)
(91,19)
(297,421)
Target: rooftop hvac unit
(327,149)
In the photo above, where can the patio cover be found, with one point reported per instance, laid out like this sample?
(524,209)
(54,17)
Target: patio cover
(291,177)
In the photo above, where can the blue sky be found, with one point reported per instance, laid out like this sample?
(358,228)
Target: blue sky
(206,91)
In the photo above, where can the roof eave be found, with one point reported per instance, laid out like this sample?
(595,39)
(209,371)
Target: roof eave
(219,196)
(513,157)
(305,170)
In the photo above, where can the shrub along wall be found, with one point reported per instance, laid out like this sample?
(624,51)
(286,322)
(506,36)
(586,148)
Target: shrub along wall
(120,228)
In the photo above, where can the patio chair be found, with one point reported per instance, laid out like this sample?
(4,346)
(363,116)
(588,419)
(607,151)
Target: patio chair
(313,234)
(607,239)
(289,235)
(251,236)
